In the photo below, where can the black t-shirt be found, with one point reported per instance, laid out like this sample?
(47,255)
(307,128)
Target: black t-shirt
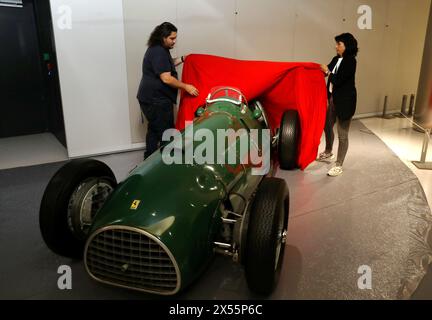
(157,60)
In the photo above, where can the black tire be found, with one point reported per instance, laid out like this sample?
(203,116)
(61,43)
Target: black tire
(57,216)
(288,140)
(267,228)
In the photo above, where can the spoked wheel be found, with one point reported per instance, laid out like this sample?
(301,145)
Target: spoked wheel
(85,202)
(288,140)
(267,230)
(70,202)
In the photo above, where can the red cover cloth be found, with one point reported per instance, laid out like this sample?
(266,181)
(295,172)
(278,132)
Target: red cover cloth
(279,86)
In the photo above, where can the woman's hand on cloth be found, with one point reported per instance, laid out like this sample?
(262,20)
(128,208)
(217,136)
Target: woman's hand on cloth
(324,69)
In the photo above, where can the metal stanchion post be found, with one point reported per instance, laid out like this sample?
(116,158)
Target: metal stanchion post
(403,107)
(385,115)
(422,164)
(411,106)
(425,145)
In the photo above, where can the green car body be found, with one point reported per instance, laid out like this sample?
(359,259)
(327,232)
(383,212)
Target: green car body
(158,230)
(183,215)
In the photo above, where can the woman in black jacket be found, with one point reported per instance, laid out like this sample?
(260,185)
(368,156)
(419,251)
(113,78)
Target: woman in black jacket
(342,97)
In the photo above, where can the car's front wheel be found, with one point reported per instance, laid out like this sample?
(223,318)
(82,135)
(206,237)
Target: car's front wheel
(70,202)
(267,229)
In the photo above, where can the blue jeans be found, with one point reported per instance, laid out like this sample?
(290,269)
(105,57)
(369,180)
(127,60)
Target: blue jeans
(160,117)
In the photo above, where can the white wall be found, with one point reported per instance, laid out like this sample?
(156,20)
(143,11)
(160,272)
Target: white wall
(93,80)
(204,27)
(291,30)
(100,58)
(140,17)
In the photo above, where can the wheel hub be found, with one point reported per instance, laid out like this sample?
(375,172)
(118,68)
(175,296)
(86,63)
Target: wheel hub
(84,203)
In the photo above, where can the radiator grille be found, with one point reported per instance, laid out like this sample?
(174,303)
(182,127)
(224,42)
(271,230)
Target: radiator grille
(131,258)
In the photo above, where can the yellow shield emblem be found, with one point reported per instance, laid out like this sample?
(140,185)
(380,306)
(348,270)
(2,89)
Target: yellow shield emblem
(135,204)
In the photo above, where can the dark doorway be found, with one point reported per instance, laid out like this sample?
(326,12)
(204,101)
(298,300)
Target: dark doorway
(30,100)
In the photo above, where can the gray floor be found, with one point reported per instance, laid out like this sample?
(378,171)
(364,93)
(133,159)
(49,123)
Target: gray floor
(375,214)
(29,150)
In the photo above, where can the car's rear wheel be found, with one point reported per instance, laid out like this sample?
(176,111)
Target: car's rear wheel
(70,202)
(266,238)
(288,140)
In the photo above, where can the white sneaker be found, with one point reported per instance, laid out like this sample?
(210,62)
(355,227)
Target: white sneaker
(335,171)
(324,156)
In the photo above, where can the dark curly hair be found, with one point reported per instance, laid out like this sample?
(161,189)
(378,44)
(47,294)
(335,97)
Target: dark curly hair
(350,44)
(160,32)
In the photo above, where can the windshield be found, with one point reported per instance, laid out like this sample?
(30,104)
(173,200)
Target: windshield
(226,94)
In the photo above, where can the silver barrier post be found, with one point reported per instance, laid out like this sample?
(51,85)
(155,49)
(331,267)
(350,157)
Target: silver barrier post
(411,106)
(385,115)
(422,164)
(404,104)
(403,107)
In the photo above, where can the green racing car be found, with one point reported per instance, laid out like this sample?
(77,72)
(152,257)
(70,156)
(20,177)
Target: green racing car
(158,230)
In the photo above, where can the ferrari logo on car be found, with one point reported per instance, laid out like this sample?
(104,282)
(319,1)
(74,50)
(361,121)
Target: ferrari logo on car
(135,204)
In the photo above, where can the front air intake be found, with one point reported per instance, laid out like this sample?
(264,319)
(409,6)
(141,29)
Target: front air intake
(131,258)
